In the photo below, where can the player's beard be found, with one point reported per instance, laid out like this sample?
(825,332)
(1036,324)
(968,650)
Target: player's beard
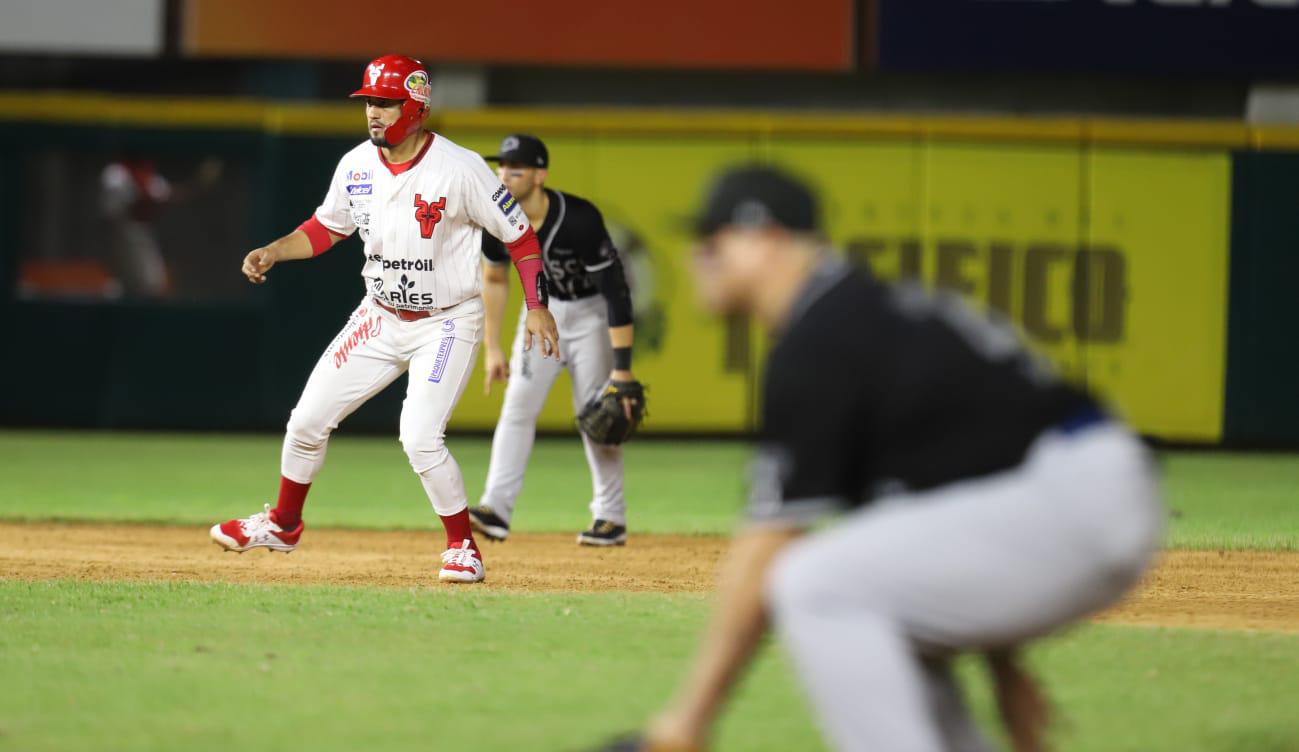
(380,141)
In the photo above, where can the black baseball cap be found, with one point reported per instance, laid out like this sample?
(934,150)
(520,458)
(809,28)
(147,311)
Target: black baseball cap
(753,196)
(523,149)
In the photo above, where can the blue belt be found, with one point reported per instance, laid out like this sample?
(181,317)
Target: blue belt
(1082,420)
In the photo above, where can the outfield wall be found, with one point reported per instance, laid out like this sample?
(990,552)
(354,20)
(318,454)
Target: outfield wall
(1113,244)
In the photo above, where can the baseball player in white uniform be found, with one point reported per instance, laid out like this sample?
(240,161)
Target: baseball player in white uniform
(420,204)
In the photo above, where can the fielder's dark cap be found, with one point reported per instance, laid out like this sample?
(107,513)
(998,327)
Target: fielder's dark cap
(522,149)
(755,196)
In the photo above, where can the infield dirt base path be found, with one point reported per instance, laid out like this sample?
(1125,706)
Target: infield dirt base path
(1208,589)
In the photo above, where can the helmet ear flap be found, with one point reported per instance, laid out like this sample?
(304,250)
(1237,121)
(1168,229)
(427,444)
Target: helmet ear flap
(412,117)
(414,109)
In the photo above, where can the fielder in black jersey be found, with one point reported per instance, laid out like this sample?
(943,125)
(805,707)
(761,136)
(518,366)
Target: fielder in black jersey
(579,257)
(982,502)
(589,297)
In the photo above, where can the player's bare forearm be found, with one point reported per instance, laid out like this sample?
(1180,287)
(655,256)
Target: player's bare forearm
(738,623)
(1024,709)
(295,245)
(496,291)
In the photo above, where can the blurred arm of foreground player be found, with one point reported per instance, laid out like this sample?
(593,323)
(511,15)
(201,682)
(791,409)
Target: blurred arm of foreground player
(295,245)
(1025,711)
(738,622)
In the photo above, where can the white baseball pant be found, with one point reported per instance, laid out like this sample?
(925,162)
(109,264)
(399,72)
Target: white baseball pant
(585,351)
(872,609)
(372,350)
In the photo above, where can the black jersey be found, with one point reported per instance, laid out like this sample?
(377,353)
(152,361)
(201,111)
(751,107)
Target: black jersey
(874,389)
(579,257)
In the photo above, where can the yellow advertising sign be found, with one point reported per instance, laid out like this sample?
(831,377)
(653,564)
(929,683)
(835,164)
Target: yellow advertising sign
(1113,262)
(1166,217)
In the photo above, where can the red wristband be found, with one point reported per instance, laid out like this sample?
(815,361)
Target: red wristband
(526,253)
(319,235)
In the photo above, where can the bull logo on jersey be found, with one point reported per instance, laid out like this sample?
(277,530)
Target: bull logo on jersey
(428,214)
(417,85)
(375,70)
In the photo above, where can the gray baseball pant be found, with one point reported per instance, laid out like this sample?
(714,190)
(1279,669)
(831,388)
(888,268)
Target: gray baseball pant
(585,351)
(871,609)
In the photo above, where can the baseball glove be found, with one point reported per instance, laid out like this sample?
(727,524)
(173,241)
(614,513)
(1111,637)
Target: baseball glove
(603,418)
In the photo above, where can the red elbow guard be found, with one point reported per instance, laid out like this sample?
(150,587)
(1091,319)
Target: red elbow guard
(526,253)
(319,235)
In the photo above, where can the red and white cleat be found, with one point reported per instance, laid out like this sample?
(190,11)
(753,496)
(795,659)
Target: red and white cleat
(462,564)
(257,531)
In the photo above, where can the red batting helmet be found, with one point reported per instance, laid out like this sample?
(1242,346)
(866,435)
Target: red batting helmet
(398,77)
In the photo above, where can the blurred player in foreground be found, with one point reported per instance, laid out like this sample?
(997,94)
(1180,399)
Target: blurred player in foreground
(986,503)
(592,306)
(421,204)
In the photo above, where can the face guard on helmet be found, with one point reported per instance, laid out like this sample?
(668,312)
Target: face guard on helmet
(403,78)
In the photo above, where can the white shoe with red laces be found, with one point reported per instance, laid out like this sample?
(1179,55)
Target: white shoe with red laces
(257,531)
(462,564)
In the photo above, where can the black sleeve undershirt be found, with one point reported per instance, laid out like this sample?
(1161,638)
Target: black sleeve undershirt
(494,250)
(601,260)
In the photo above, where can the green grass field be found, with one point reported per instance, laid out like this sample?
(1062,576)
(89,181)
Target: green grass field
(195,478)
(1218,500)
(112,666)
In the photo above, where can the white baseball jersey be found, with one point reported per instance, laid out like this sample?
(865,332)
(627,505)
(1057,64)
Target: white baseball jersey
(421,221)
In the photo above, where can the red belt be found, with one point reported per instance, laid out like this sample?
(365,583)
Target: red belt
(402,313)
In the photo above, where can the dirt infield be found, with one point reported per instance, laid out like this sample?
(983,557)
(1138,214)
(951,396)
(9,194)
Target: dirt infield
(1257,590)
(1208,589)
(662,563)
